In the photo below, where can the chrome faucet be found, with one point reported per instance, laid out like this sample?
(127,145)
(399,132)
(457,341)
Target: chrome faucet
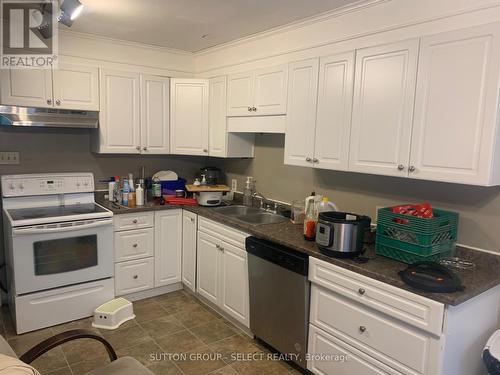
(266,204)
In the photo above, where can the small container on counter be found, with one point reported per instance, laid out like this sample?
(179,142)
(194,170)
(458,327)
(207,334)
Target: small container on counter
(310,221)
(139,195)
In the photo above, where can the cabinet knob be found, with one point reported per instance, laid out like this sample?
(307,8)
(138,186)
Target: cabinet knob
(315,160)
(135,277)
(361,291)
(412,168)
(401,167)
(49,101)
(138,148)
(221,249)
(217,246)
(249,109)
(254,109)
(192,220)
(58,102)
(308,159)
(134,221)
(362,329)
(145,148)
(134,245)
(205,150)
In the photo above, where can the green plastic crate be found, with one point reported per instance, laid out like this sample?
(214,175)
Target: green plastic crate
(410,239)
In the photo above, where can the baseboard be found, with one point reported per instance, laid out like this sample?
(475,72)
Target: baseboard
(153,292)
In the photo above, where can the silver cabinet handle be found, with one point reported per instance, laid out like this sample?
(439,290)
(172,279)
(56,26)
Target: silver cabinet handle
(361,291)
(221,249)
(362,329)
(412,168)
(138,148)
(217,246)
(401,167)
(58,102)
(134,221)
(134,245)
(315,160)
(249,109)
(254,109)
(49,101)
(308,159)
(205,150)
(145,148)
(135,277)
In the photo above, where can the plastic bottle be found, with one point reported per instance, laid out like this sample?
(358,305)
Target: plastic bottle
(247,192)
(326,205)
(310,221)
(131,192)
(316,199)
(139,195)
(117,192)
(111,189)
(126,191)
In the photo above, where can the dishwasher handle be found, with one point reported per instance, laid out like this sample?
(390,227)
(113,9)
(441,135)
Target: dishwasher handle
(282,256)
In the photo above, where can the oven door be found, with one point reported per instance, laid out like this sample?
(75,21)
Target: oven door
(55,255)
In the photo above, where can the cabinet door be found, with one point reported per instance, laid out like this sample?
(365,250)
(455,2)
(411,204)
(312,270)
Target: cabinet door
(217,125)
(270,91)
(189,234)
(333,124)
(208,267)
(384,90)
(76,87)
(301,117)
(168,247)
(234,297)
(119,119)
(189,116)
(455,110)
(155,115)
(240,94)
(26,87)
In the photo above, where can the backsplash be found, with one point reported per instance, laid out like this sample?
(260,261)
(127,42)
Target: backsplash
(362,193)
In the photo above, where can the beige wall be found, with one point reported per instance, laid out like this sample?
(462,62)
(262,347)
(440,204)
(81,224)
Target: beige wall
(479,207)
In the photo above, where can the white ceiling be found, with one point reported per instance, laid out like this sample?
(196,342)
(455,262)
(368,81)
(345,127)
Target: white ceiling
(180,24)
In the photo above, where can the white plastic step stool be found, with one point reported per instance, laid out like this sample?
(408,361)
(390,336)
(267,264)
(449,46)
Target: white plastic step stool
(112,314)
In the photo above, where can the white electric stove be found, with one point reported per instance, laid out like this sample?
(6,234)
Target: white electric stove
(59,248)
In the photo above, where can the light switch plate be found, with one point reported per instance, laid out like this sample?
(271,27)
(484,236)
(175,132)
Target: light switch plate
(9,157)
(234,184)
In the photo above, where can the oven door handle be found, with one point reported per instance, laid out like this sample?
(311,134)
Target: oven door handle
(58,229)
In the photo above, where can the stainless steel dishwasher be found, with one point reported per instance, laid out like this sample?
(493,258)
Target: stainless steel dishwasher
(279,297)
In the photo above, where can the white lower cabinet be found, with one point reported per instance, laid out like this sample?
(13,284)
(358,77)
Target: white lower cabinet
(168,245)
(134,276)
(222,269)
(189,242)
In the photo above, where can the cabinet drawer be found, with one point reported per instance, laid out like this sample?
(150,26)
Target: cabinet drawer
(134,276)
(134,244)
(329,355)
(396,344)
(133,221)
(411,308)
(223,232)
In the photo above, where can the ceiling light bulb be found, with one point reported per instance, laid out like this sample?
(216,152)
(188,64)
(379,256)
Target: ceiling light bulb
(76,12)
(70,10)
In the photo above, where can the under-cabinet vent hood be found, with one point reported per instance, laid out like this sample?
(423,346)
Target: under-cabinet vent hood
(48,117)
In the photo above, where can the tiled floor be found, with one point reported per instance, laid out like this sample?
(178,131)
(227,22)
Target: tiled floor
(172,323)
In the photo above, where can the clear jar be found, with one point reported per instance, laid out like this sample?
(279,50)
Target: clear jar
(297,212)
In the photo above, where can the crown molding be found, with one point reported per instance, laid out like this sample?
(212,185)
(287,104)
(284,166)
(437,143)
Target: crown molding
(122,42)
(349,8)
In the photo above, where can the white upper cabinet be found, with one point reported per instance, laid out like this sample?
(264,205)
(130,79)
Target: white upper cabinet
(333,122)
(221,143)
(384,92)
(301,117)
(189,116)
(155,115)
(76,87)
(119,118)
(258,93)
(26,87)
(454,130)
(240,98)
(69,86)
(270,91)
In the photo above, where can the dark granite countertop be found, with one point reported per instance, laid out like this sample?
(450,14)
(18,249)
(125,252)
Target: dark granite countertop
(484,276)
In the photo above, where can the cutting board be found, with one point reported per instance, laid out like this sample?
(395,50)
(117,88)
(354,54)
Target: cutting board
(212,188)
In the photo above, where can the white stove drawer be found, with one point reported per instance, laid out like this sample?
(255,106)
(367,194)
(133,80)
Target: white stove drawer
(134,244)
(406,349)
(135,220)
(134,276)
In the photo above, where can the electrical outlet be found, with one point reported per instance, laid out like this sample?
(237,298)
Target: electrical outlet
(234,184)
(9,157)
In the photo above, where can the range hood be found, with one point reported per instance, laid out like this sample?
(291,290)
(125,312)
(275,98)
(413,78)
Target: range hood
(48,117)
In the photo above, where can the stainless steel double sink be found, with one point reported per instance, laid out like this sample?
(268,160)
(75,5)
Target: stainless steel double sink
(250,215)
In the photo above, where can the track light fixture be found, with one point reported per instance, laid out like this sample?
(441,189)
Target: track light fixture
(70,10)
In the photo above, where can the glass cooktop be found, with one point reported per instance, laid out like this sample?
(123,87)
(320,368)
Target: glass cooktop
(54,211)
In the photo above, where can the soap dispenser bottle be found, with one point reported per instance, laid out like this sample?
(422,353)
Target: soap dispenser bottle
(248,192)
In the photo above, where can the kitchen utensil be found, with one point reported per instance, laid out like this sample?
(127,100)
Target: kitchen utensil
(431,277)
(457,263)
(181,201)
(340,234)
(212,175)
